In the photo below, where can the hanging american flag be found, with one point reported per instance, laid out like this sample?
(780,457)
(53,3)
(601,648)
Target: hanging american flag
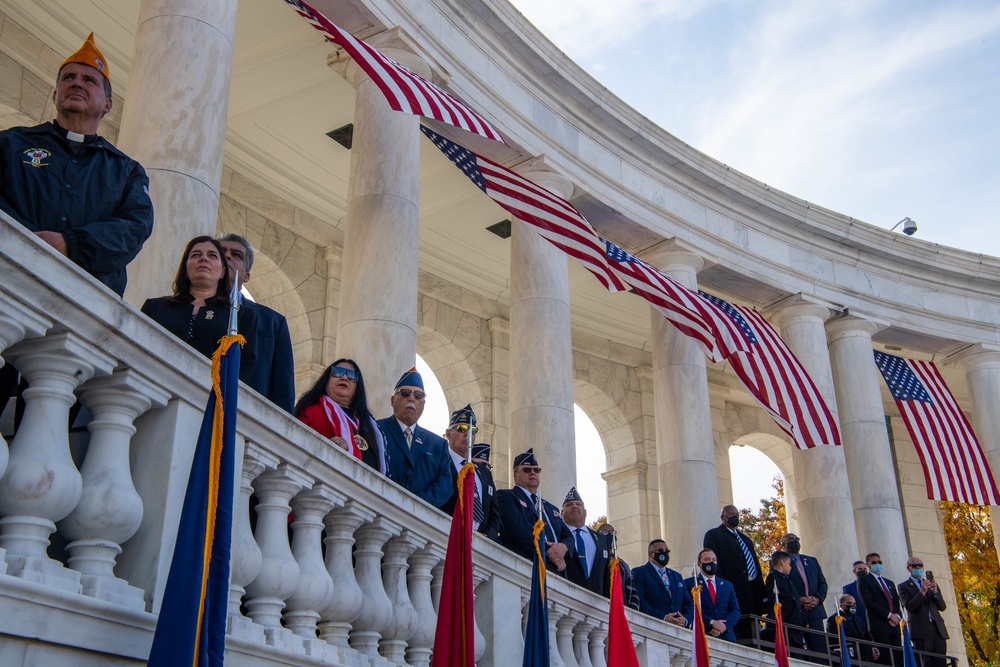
(554,218)
(955,467)
(775,377)
(404,89)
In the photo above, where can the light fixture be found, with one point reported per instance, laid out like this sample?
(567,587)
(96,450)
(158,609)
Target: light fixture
(909,227)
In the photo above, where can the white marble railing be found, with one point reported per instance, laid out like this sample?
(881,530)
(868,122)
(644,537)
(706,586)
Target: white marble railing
(88,520)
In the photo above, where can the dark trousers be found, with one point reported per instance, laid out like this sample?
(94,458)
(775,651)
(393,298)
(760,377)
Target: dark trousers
(890,636)
(935,643)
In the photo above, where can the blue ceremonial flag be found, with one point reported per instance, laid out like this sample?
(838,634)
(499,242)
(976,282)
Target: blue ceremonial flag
(536,636)
(191,628)
(845,652)
(909,657)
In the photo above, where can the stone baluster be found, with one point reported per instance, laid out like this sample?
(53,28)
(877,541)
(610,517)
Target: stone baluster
(41,484)
(436,584)
(479,575)
(315,589)
(245,556)
(397,633)
(680,658)
(279,571)
(418,653)
(564,637)
(376,610)
(556,613)
(525,600)
(581,642)
(16,324)
(345,607)
(598,640)
(110,509)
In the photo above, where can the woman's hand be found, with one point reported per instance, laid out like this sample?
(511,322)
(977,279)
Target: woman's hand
(340,442)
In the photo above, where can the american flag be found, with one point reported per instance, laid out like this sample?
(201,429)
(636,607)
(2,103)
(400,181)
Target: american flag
(554,218)
(774,376)
(403,88)
(954,465)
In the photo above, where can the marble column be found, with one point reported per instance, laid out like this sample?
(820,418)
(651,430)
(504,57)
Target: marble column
(878,517)
(685,449)
(377,322)
(541,354)
(981,363)
(174,124)
(826,517)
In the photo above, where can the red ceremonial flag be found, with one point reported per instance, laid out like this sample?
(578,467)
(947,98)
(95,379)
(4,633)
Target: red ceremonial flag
(454,641)
(955,467)
(621,650)
(404,89)
(699,640)
(780,645)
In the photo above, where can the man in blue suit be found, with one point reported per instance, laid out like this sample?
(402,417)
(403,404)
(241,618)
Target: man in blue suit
(662,593)
(810,584)
(273,374)
(719,609)
(860,571)
(418,459)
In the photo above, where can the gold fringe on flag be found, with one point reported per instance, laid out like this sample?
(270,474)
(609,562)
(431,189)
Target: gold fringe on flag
(539,527)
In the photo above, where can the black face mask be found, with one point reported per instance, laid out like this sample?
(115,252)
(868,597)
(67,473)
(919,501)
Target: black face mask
(710,568)
(793,546)
(861,574)
(662,559)
(733,521)
(850,611)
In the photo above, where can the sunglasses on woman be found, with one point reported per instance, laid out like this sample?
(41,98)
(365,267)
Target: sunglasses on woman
(341,372)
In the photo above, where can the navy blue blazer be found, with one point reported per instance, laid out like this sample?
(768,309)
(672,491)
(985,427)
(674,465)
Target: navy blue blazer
(599,580)
(273,375)
(423,469)
(517,521)
(725,608)
(655,599)
(817,585)
(862,616)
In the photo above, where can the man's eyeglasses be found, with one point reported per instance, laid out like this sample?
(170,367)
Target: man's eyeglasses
(660,551)
(875,562)
(915,565)
(406,393)
(465,428)
(341,372)
(534,469)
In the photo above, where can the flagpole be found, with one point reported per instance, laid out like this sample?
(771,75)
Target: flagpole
(234,304)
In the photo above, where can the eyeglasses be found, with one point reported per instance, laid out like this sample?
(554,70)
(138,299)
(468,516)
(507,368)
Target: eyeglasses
(406,393)
(876,562)
(465,428)
(534,469)
(660,551)
(341,372)
(915,565)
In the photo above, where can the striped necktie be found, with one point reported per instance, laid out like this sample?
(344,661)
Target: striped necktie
(408,434)
(751,566)
(478,515)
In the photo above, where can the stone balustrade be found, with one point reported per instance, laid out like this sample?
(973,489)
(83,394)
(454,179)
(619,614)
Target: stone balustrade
(88,518)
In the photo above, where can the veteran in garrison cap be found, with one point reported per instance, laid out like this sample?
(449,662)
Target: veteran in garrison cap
(519,509)
(590,566)
(460,434)
(418,459)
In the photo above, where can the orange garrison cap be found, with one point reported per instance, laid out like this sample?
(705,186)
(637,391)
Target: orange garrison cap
(88,54)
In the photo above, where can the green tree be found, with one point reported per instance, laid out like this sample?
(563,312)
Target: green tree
(767,525)
(976,574)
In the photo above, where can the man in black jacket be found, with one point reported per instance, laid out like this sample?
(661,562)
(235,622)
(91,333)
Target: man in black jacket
(807,577)
(590,566)
(923,602)
(779,588)
(485,511)
(853,626)
(739,565)
(882,603)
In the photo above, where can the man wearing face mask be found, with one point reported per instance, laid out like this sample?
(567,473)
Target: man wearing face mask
(882,603)
(662,593)
(719,609)
(924,604)
(809,582)
(739,565)
(860,570)
(853,626)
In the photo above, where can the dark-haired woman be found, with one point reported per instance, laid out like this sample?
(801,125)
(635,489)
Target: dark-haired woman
(336,407)
(198,310)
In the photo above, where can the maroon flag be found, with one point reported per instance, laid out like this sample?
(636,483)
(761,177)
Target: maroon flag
(955,467)
(454,641)
(404,89)
(621,650)
(554,218)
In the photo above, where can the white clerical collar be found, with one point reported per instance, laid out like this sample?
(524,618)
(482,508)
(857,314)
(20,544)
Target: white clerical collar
(73,136)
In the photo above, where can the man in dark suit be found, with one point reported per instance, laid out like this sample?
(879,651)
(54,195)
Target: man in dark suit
(630,597)
(807,577)
(519,510)
(662,593)
(273,374)
(854,627)
(590,565)
(739,565)
(924,604)
(882,603)
(418,459)
(779,584)
(485,512)
(720,610)
(860,569)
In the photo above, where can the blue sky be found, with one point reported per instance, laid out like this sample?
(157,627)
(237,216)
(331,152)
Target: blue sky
(874,109)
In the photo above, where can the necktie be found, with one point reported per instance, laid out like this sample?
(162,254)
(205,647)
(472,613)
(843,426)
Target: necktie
(665,579)
(711,590)
(408,434)
(751,566)
(802,573)
(888,595)
(478,515)
(581,549)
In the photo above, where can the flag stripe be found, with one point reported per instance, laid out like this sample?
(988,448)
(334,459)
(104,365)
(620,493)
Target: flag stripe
(404,89)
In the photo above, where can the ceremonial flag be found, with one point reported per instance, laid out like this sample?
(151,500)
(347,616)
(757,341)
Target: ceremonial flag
(454,641)
(699,646)
(909,657)
(775,377)
(621,650)
(554,218)
(191,627)
(845,652)
(955,467)
(404,89)
(780,645)
(536,635)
